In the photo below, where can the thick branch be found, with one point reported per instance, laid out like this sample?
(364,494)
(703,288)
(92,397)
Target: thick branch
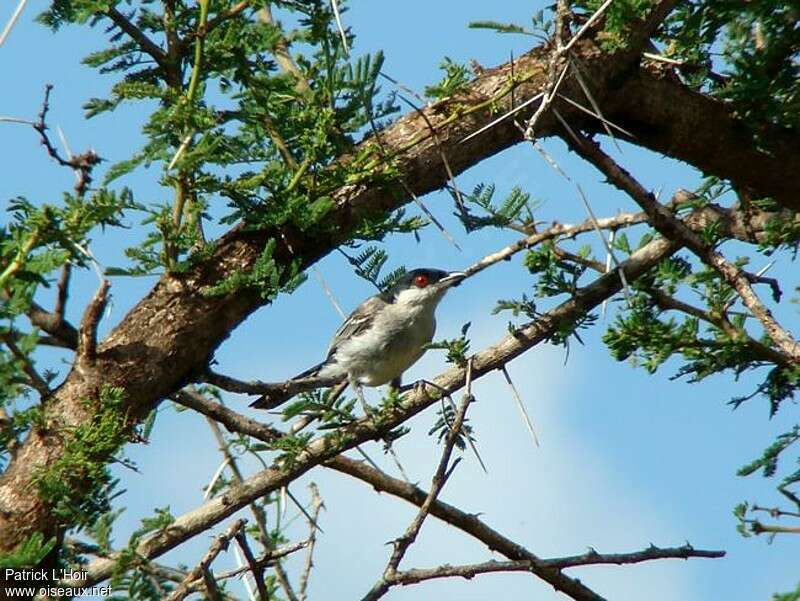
(668,117)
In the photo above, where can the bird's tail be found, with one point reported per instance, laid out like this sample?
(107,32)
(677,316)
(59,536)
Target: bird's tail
(311,372)
(277,394)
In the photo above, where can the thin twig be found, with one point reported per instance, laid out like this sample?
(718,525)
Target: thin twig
(440,477)
(590,558)
(191,395)
(82,163)
(137,35)
(273,393)
(225,15)
(316,505)
(63,292)
(36,381)
(265,560)
(283,56)
(257,570)
(219,544)
(468,438)
(245,577)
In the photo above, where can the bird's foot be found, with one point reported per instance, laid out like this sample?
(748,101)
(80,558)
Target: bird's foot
(421,384)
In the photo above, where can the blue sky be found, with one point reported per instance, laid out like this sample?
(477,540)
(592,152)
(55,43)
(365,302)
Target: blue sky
(626,458)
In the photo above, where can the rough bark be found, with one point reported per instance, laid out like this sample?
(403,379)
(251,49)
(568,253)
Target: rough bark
(173,331)
(677,121)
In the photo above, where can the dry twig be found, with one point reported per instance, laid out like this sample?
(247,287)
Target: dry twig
(316,505)
(219,544)
(440,477)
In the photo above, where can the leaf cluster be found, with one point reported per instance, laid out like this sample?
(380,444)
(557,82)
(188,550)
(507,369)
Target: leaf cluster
(756,44)
(515,209)
(368,265)
(456,349)
(444,425)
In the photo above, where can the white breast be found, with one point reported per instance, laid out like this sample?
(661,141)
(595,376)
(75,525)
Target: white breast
(394,343)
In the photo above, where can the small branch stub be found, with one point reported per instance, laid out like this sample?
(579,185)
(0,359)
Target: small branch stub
(87,349)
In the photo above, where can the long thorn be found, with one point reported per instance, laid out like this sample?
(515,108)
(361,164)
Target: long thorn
(520,405)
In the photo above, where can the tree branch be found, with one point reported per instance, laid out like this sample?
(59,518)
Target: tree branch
(87,347)
(415,576)
(670,118)
(317,505)
(440,477)
(137,35)
(467,522)
(219,544)
(35,381)
(53,323)
(673,228)
(258,512)
(257,570)
(82,164)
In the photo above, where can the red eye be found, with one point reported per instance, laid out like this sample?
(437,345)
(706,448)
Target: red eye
(421,281)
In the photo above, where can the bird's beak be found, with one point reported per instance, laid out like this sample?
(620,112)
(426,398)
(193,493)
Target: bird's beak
(454,278)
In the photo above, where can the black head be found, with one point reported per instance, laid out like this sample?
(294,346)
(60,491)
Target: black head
(434,281)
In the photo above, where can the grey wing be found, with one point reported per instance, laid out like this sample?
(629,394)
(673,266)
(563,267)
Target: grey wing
(358,322)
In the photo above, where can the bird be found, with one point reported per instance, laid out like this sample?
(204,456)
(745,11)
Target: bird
(380,339)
